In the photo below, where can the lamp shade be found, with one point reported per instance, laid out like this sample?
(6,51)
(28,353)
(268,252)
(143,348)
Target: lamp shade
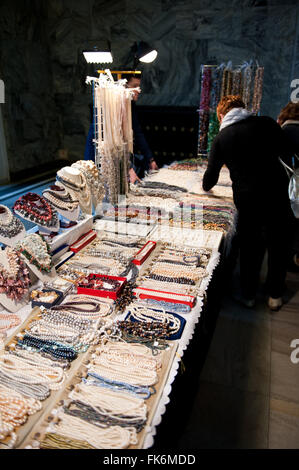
(145,53)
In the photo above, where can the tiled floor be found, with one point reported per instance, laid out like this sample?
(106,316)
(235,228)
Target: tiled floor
(248,394)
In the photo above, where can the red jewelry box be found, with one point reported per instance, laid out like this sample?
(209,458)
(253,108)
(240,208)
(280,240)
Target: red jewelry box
(138,260)
(103,293)
(84,239)
(145,293)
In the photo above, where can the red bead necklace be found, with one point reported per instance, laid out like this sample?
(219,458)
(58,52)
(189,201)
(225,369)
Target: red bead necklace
(35,205)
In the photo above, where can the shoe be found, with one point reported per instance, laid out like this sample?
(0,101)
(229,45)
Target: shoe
(248,303)
(275,304)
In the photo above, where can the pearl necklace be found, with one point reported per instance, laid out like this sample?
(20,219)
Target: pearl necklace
(140,313)
(118,362)
(28,373)
(37,391)
(109,401)
(61,200)
(8,321)
(114,437)
(14,410)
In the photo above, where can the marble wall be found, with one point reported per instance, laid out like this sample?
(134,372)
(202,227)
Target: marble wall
(46,114)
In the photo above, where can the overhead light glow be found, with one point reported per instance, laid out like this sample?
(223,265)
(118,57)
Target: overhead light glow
(150,57)
(95,57)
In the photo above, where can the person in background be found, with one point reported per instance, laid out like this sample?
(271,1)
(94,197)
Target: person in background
(288,119)
(143,161)
(249,146)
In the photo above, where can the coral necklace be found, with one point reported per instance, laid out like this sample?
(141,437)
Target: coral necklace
(35,206)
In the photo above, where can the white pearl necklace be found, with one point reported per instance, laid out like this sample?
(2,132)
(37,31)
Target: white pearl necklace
(18,368)
(110,401)
(141,313)
(113,437)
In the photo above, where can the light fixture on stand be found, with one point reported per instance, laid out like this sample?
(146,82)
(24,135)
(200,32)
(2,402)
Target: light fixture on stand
(99,55)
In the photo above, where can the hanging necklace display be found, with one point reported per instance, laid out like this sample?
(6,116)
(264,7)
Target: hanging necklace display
(113,132)
(11,228)
(257,91)
(14,282)
(36,209)
(65,204)
(223,81)
(204,108)
(215,97)
(75,182)
(237,82)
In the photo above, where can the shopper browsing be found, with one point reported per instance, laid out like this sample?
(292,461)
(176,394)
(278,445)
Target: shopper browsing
(288,119)
(142,161)
(250,146)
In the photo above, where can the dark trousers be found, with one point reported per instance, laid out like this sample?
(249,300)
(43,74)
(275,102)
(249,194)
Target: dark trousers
(139,164)
(264,227)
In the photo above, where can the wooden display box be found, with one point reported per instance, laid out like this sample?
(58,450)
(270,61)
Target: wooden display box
(102,292)
(83,241)
(146,249)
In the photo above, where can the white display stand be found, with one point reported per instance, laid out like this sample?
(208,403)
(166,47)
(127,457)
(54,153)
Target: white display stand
(43,276)
(14,240)
(69,215)
(72,216)
(68,235)
(74,174)
(9,304)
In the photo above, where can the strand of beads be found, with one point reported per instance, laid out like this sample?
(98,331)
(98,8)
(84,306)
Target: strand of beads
(56,441)
(114,437)
(14,411)
(108,408)
(55,349)
(138,392)
(139,313)
(129,363)
(28,373)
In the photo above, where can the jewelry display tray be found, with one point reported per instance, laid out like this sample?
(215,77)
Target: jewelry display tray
(202,284)
(27,431)
(103,293)
(69,235)
(39,429)
(22,431)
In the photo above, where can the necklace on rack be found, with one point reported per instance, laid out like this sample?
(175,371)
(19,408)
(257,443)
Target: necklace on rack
(35,208)
(10,226)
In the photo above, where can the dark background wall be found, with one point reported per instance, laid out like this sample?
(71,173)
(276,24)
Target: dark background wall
(46,114)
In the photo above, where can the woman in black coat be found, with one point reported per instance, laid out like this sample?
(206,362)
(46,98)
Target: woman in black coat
(250,146)
(288,119)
